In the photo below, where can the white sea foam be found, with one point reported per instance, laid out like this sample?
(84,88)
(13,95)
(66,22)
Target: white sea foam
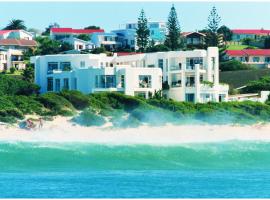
(62,130)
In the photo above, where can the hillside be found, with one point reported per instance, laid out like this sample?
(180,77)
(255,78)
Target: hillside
(239,78)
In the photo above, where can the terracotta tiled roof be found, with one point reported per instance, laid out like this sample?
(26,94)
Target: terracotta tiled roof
(76,31)
(249,52)
(251,31)
(15,42)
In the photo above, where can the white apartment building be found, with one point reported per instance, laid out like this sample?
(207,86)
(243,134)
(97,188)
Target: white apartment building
(91,73)
(190,75)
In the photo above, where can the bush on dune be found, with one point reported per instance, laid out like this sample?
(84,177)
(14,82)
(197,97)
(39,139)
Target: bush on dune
(78,99)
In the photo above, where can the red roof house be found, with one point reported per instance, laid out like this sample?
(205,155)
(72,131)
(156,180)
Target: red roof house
(248,52)
(76,31)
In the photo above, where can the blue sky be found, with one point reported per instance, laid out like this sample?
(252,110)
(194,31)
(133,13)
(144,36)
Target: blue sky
(110,15)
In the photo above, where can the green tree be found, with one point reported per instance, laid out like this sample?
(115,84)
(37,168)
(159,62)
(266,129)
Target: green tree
(92,27)
(28,73)
(226,33)
(15,24)
(212,37)
(142,32)
(173,37)
(84,37)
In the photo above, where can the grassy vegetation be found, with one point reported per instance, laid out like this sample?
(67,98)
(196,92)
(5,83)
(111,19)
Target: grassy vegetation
(239,47)
(119,109)
(240,78)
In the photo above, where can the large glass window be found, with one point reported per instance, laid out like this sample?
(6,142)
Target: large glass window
(52,66)
(66,84)
(145,81)
(50,84)
(267,59)
(105,81)
(65,66)
(191,62)
(57,85)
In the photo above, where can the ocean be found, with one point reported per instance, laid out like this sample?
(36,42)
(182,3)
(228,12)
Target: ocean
(229,169)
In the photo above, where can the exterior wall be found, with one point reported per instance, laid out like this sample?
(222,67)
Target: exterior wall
(127,37)
(259,61)
(191,75)
(11,58)
(3,60)
(107,40)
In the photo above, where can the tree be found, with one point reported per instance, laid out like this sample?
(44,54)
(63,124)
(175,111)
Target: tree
(158,48)
(28,73)
(15,24)
(226,33)
(173,37)
(84,37)
(48,29)
(92,27)
(142,32)
(98,50)
(213,20)
(212,37)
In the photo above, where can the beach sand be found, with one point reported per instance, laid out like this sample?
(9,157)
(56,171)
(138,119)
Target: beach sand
(61,129)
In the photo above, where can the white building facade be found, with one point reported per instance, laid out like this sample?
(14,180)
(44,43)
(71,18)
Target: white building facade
(189,75)
(91,73)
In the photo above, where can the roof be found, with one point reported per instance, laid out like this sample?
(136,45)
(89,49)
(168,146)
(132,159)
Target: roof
(185,34)
(76,31)
(127,53)
(249,52)
(15,42)
(251,31)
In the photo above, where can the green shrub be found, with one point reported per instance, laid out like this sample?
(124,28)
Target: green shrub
(12,70)
(89,118)
(57,104)
(78,99)
(234,65)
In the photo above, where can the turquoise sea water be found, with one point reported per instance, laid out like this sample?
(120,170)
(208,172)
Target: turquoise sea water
(226,169)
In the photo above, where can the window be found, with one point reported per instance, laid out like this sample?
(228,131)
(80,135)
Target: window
(82,64)
(66,84)
(191,62)
(201,78)
(160,64)
(122,81)
(52,66)
(190,81)
(145,81)
(213,59)
(65,66)
(256,59)
(50,84)
(132,42)
(190,97)
(152,32)
(167,65)
(57,85)
(267,59)
(105,81)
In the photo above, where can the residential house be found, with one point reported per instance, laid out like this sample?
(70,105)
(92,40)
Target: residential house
(3,59)
(70,35)
(107,40)
(257,57)
(127,38)
(191,75)
(240,34)
(16,34)
(194,39)
(14,51)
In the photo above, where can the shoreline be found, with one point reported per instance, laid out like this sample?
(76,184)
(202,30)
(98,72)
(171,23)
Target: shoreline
(61,129)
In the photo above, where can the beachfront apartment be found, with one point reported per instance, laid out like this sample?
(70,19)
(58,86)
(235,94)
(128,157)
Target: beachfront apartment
(185,75)
(91,73)
(257,57)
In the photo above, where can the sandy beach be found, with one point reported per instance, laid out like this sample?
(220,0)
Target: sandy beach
(61,129)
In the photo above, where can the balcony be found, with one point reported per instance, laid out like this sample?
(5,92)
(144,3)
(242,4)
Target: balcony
(175,68)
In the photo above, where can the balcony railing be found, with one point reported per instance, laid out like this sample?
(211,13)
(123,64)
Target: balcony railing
(175,68)
(176,83)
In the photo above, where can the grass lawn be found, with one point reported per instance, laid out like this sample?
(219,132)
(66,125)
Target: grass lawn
(16,74)
(239,47)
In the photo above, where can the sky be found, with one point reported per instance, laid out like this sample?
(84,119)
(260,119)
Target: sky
(112,15)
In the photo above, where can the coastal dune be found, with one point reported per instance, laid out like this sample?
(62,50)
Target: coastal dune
(63,130)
